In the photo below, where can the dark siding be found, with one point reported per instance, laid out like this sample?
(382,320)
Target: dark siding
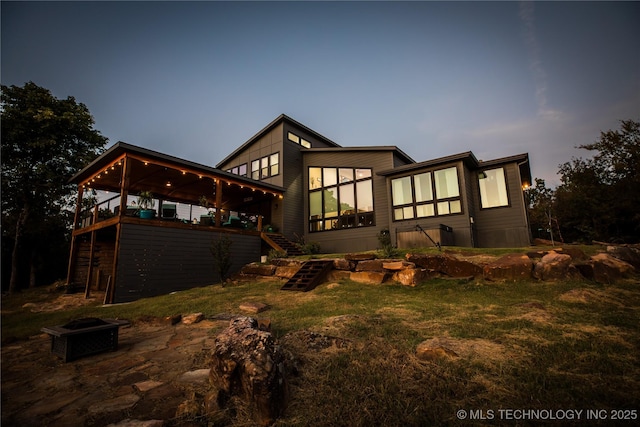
(504,226)
(157,260)
(291,206)
(360,238)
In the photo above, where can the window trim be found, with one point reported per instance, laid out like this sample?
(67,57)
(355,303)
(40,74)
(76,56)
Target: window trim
(434,201)
(506,189)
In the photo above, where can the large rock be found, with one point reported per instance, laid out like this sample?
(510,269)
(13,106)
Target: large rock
(411,276)
(369,277)
(509,268)
(627,254)
(555,266)
(603,268)
(248,364)
(259,269)
(370,265)
(446,264)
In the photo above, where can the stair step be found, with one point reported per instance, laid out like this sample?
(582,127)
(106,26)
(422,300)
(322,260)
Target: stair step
(310,274)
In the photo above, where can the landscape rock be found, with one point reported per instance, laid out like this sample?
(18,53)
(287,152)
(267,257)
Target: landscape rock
(190,319)
(343,264)
(627,254)
(510,268)
(369,265)
(607,269)
(411,276)
(247,364)
(360,257)
(254,307)
(555,266)
(397,265)
(286,272)
(259,269)
(446,264)
(369,277)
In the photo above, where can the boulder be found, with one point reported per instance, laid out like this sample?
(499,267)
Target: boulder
(411,276)
(360,257)
(370,265)
(509,268)
(446,264)
(604,268)
(259,269)
(395,265)
(249,366)
(555,266)
(342,264)
(370,277)
(627,254)
(190,319)
(286,272)
(254,307)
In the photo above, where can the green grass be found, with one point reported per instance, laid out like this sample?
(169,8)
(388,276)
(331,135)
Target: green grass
(520,345)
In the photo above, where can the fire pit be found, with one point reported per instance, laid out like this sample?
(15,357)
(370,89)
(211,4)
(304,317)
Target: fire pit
(84,337)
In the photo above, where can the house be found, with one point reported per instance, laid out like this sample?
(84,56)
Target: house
(286,178)
(342,197)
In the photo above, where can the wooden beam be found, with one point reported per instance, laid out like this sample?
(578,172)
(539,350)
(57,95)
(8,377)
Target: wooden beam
(218,202)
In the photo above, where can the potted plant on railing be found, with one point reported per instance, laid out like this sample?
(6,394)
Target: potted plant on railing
(145,205)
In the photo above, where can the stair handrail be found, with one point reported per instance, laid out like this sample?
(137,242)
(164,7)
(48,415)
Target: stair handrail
(437,244)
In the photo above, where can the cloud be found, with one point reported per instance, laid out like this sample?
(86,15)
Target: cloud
(527,17)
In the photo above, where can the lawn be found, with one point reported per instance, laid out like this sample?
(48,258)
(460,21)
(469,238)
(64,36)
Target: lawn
(514,346)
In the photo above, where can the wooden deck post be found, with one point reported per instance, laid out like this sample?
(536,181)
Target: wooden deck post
(218,202)
(72,250)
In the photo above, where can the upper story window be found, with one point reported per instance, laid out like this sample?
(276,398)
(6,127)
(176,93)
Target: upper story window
(340,198)
(298,140)
(493,188)
(239,170)
(426,194)
(265,167)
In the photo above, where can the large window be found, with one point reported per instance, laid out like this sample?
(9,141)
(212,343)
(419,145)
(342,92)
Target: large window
(298,140)
(266,167)
(493,188)
(340,198)
(413,196)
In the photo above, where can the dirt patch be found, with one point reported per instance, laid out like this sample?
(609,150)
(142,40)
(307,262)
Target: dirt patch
(65,302)
(590,296)
(479,349)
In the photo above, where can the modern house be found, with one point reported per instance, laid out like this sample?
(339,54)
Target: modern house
(290,179)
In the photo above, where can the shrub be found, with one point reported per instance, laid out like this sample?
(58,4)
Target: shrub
(221,251)
(384,237)
(274,254)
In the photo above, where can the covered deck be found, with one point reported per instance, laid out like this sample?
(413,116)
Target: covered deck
(132,253)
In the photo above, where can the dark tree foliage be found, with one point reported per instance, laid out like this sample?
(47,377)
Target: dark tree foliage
(599,197)
(45,141)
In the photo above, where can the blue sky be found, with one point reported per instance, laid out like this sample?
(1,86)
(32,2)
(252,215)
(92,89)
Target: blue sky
(197,79)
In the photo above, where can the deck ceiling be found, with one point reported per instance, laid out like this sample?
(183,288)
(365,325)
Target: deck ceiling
(177,183)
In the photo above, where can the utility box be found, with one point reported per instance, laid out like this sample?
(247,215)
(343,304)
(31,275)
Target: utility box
(426,237)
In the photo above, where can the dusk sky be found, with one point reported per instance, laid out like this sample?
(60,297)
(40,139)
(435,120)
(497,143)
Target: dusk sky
(197,79)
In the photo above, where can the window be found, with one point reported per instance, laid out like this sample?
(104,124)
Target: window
(298,140)
(340,198)
(265,167)
(255,169)
(413,196)
(493,188)
(239,170)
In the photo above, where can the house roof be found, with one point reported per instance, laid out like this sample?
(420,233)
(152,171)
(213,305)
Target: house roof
(466,157)
(393,148)
(280,119)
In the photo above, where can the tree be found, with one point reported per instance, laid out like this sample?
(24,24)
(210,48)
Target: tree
(45,141)
(540,203)
(599,198)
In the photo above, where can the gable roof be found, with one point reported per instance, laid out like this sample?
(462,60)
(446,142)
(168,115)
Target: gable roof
(280,119)
(466,157)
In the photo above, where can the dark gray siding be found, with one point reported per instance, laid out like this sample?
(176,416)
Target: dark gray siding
(504,226)
(291,206)
(359,238)
(158,260)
